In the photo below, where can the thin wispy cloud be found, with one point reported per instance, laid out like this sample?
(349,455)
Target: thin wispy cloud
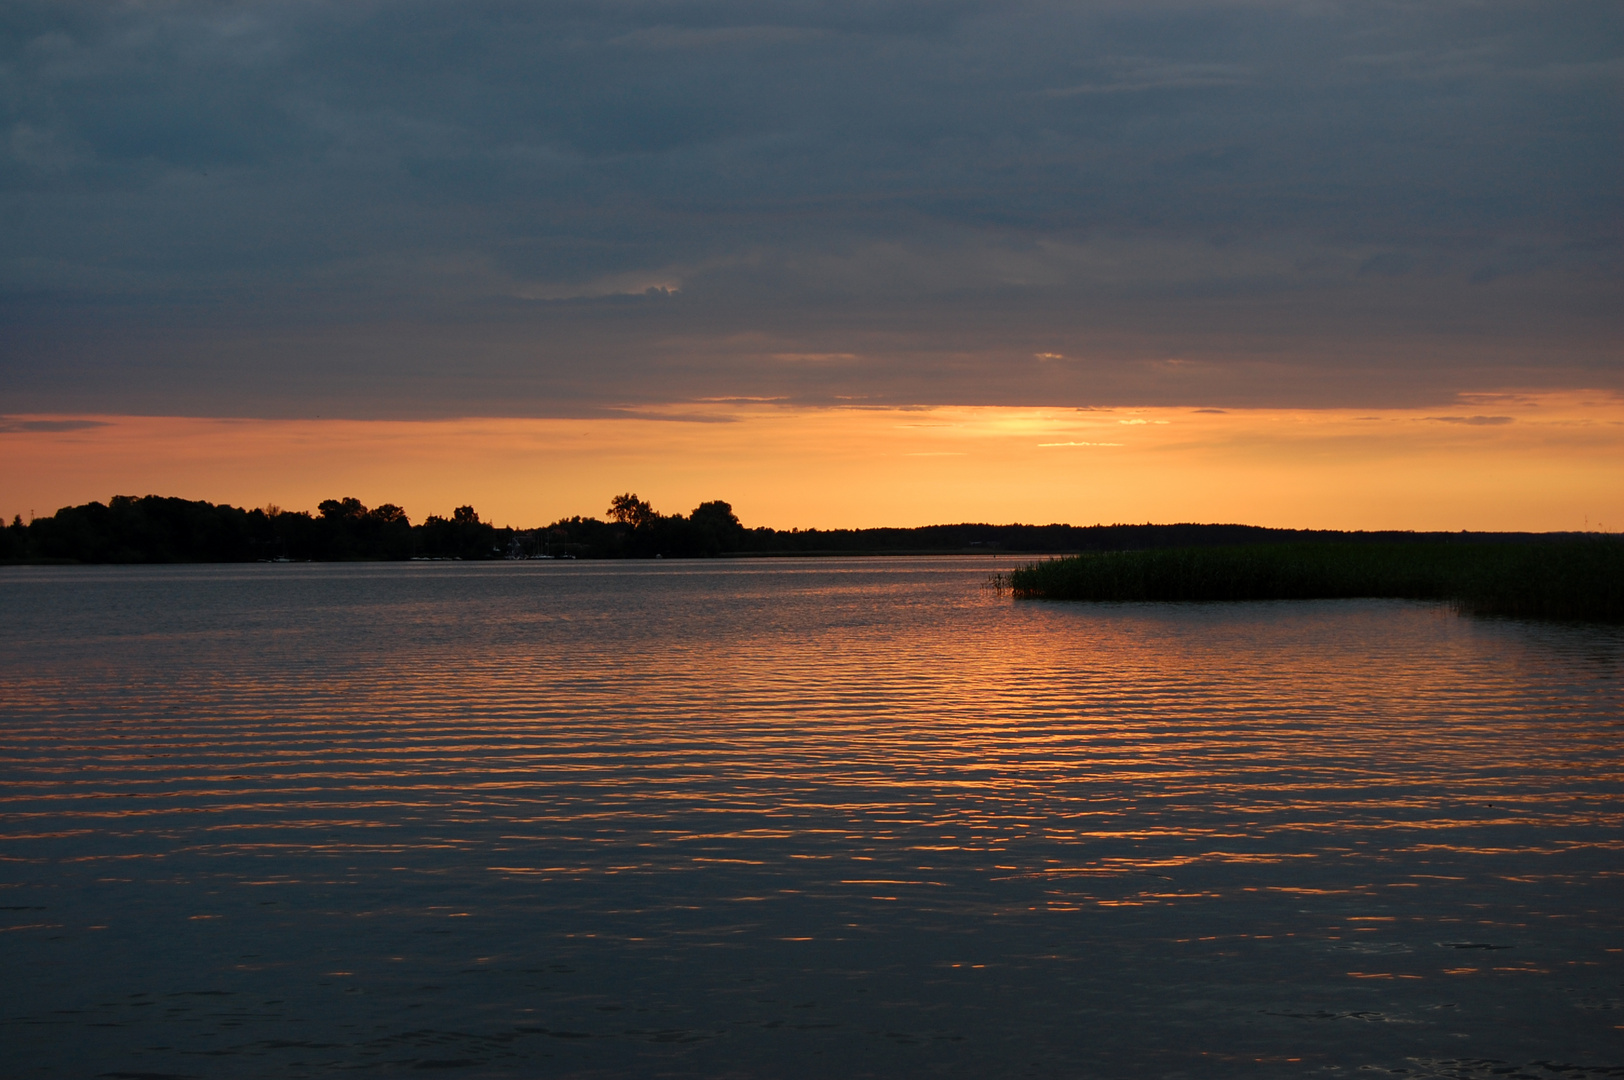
(9,426)
(1142,77)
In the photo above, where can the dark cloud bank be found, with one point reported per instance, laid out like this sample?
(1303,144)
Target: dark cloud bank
(416,209)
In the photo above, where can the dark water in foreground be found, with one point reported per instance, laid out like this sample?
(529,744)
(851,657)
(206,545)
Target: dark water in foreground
(847,818)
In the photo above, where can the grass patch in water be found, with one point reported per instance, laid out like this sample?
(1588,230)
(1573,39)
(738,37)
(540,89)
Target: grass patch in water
(1573,579)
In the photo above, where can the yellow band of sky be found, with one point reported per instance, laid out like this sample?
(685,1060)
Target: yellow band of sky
(1525,461)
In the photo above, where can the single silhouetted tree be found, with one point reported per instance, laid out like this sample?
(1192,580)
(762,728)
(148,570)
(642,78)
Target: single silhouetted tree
(714,529)
(628,509)
(716,515)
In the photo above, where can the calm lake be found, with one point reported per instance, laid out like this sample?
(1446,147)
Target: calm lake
(794,818)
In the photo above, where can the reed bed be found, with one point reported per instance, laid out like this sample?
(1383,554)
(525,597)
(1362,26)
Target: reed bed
(1578,579)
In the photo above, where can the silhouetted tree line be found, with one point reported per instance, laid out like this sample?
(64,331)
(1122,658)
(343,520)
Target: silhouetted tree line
(153,529)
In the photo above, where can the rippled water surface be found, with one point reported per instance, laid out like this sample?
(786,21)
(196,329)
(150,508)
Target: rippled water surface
(794,818)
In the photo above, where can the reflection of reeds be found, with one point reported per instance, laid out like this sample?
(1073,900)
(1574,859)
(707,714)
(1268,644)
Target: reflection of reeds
(1582,579)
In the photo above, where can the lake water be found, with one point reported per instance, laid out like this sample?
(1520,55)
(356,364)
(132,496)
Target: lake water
(802,818)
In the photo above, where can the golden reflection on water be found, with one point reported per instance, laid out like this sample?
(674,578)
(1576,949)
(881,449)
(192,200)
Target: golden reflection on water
(595,761)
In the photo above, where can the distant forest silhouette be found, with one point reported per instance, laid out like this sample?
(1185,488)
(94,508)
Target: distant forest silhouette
(155,529)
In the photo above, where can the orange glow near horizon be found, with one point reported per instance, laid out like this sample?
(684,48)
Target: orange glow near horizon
(1546,461)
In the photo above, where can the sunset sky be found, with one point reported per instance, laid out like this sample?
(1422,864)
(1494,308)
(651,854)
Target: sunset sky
(1324,263)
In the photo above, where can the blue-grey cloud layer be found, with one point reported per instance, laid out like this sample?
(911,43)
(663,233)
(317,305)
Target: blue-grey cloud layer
(429,208)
